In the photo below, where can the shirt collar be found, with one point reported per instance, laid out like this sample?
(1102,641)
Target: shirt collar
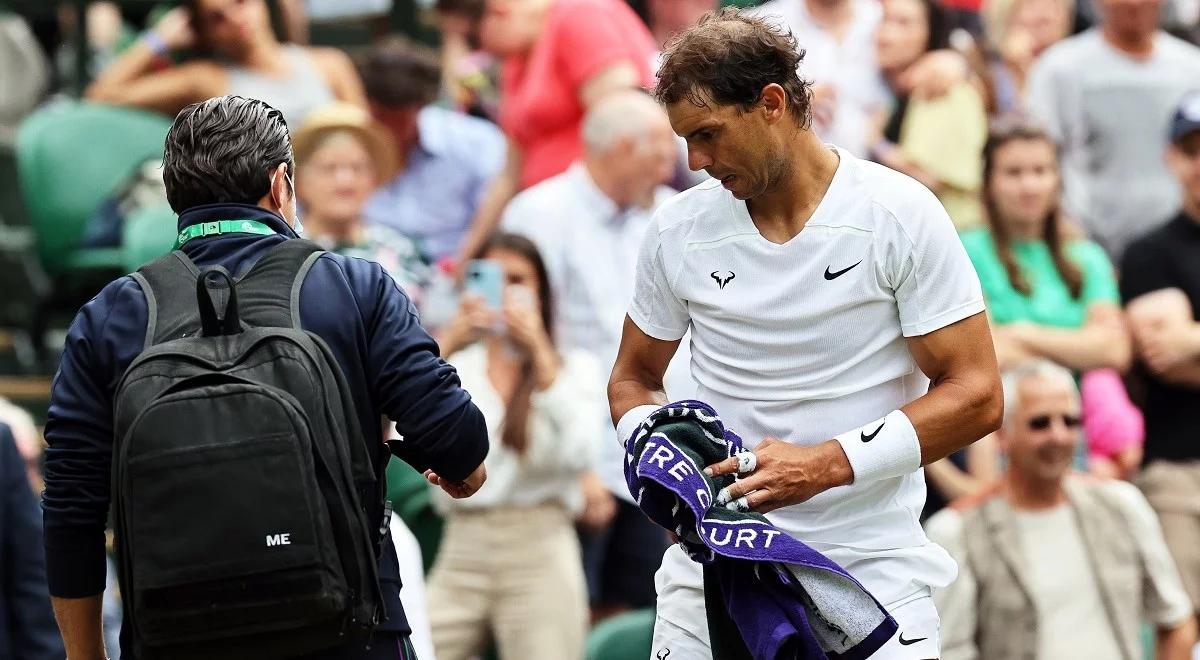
(214,212)
(432,131)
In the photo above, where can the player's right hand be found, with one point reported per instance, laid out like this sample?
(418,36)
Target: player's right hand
(785,474)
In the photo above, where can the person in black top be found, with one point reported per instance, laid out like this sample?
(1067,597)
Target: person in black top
(231,157)
(1160,286)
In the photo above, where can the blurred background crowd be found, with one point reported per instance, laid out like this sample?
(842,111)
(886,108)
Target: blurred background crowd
(1062,136)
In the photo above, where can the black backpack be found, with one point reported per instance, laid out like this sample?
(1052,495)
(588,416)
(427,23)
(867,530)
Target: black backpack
(247,504)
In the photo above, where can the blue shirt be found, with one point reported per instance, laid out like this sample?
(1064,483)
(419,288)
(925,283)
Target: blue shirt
(433,200)
(390,363)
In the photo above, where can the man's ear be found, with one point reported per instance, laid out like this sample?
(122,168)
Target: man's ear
(774,102)
(281,186)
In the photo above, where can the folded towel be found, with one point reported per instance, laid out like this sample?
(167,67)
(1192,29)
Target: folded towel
(786,599)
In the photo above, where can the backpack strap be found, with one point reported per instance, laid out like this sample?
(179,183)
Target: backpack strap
(269,294)
(169,284)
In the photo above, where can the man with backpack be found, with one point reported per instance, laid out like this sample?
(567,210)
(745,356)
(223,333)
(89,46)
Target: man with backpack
(228,401)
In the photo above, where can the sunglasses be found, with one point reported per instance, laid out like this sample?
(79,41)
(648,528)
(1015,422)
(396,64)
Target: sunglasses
(1042,422)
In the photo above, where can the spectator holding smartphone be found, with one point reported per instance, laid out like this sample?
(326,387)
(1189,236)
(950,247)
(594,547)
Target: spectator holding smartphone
(509,563)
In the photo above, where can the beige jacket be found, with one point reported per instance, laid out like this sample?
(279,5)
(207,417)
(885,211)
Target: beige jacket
(988,612)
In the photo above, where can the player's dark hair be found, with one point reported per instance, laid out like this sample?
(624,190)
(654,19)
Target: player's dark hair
(728,57)
(1054,225)
(223,150)
(515,433)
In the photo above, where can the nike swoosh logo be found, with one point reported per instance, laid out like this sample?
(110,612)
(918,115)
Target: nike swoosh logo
(906,642)
(869,437)
(835,275)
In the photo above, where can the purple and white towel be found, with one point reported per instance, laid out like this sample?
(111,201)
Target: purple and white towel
(786,599)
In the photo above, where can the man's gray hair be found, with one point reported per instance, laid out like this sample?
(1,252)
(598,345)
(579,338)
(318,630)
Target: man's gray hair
(624,114)
(1012,379)
(222,151)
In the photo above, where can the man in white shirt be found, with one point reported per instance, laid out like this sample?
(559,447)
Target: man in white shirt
(823,294)
(1055,565)
(588,224)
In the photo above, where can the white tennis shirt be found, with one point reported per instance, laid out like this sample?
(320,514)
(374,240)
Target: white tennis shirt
(806,340)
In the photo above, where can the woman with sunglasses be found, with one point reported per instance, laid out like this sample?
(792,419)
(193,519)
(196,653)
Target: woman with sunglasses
(238,54)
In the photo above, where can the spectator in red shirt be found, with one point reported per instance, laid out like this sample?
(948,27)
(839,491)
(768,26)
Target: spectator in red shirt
(558,58)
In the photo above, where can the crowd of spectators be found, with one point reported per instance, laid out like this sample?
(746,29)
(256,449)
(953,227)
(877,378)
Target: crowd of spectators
(1062,136)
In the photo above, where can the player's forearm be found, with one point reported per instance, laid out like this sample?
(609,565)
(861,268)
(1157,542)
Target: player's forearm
(80,624)
(955,412)
(627,393)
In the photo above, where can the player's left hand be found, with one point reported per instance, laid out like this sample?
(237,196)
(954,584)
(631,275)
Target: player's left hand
(785,474)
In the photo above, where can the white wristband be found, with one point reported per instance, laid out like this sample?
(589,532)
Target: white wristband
(883,449)
(631,420)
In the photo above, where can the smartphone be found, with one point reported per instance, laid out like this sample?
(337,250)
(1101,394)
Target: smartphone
(485,279)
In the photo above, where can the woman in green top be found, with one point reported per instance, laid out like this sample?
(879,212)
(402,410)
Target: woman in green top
(1050,293)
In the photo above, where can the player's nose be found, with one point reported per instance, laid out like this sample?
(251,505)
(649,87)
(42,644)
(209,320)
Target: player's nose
(698,160)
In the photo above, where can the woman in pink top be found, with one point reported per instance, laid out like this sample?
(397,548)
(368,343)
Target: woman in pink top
(558,58)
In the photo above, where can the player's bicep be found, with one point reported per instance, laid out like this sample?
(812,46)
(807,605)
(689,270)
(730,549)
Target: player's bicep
(960,350)
(642,358)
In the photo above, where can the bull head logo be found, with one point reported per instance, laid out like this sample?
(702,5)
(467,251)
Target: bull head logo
(722,277)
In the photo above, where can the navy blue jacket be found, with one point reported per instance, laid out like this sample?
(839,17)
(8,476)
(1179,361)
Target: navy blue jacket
(27,628)
(390,362)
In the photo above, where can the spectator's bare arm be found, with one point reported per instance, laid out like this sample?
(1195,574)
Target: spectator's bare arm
(1102,341)
(1175,643)
(499,192)
(619,76)
(341,75)
(295,21)
(615,78)
(1167,338)
(953,482)
(134,79)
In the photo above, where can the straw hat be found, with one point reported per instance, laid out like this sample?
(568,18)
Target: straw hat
(344,117)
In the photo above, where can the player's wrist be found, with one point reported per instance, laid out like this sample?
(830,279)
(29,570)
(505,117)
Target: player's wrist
(839,471)
(883,449)
(632,419)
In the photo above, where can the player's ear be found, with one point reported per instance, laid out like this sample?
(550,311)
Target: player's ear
(773,103)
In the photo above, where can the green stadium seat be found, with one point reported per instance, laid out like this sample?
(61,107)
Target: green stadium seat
(412,500)
(626,636)
(70,157)
(147,235)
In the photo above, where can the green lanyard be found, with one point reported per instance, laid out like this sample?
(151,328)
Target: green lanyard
(221,227)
